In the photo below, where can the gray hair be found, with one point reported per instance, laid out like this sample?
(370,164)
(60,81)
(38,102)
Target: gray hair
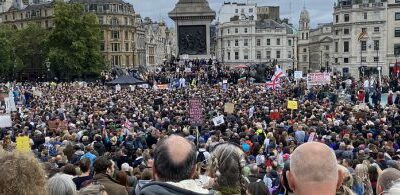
(395,189)
(226,163)
(61,184)
(387,178)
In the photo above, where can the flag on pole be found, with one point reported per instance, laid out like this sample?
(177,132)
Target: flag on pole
(275,80)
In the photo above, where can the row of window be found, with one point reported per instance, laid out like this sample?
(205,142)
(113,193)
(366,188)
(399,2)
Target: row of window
(346,17)
(346,31)
(117,61)
(268,55)
(258,42)
(363,46)
(115,47)
(245,30)
(27,14)
(242,10)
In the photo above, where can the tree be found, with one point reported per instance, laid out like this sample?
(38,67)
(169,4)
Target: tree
(74,43)
(31,51)
(6,52)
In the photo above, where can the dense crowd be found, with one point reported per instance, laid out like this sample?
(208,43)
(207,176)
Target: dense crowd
(88,138)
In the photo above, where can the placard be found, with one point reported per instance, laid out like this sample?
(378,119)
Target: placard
(274,115)
(229,108)
(317,79)
(23,144)
(196,112)
(292,105)
(117,88)
(5,121)
(298,75)
(219,120)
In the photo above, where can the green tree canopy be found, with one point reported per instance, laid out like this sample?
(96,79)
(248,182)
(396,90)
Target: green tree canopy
(6,52)
(75,43)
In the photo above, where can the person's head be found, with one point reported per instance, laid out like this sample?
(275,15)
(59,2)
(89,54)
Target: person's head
(122,178)
(257,188)
(61,184)
(226,165)
(103,165)
(361,172)
(20,168)
(395,189)
(84,165)
(69,169)
(174,159)
(386,180)
(313,166)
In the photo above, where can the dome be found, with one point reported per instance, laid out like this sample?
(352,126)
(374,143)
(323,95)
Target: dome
(305,16)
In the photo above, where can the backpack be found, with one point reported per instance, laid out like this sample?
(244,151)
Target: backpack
(201,157)
(129,145)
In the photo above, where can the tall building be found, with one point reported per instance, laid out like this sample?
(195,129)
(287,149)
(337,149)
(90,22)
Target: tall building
(303,42)
(156,42)
(366,36)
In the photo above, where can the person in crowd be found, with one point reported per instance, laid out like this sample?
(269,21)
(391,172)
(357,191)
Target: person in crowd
(104,170)
(226,165)
(362,184)
(173,169)
(313,174)
(21,174)
(93,189)
(386,180)
(257,188)
(84,166)
(61,184)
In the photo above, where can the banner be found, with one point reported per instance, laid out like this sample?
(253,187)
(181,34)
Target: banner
(317,79)
(229,108)
(23,144)
(292,105)
(219,120)
(274,115)
(163,87)
(5,121)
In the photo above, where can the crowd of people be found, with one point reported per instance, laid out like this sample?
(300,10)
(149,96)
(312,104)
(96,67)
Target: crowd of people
(89,138)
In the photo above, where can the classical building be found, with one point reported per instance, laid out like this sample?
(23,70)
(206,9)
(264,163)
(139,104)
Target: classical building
(231,9)
(156,42)
(5,6)
(140,51)
(247,41)
(366,36)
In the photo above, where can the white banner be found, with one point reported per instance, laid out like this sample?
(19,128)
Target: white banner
(317,79)
(219,120)
(5,121)
(298,75)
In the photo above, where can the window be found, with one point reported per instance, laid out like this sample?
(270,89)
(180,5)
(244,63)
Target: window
(365,15)
(346,17)
(336,46)
(229,43)
(306,36)
(376,29)
(364,30)
(127,60)
(258,55)
(376,45)
(102,35)
(337,18)
(229,55)
(126,46)
(246,42)
(236,55)
(268,41)
(236,30)
(126,22)
(346,60)
(114,21)
(346,46)
(336,32)
(302,36)
(245,30)
(346,31)
(363,45)
(327,47)
(278,41)
(397,16)
(336,60)
(236,10)
(290,42)
(115,60)
(229,31)
(102,47)
(278,54)
(246,56)
(364,59)
(289,54)
(115,34)
(258,42)
(101,19)
(115,47)
(126,35)
(250,10)
(396,49)
(376,59)
(268,55)
(236,42)
(397,32)
(304,50)
(304,58)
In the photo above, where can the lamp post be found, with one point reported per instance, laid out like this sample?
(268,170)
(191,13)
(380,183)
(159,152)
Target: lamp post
(47,63)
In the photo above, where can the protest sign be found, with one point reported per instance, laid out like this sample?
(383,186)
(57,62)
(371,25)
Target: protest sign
(163,87)
(318,79)
(5,121)
(196,112)
(219,120)
(293,105)
(117,88)
(274,115)
(251,112)
(23,144)
(229,108)
(298,75)
(311,138)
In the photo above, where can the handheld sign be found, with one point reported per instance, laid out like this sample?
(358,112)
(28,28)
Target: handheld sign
(229,108)
(23,144)
(219,120)
(292,105)
(196,112)
(5,121)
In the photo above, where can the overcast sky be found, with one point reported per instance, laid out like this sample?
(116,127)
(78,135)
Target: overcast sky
(320,10)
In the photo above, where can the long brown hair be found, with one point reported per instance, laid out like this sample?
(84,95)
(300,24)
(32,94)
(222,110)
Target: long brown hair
(122,178)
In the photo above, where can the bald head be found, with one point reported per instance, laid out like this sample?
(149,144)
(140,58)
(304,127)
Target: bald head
(386,179)
(174,159)
(314,162)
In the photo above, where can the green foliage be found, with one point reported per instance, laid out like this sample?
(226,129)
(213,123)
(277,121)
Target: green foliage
(74,43)
(6,52)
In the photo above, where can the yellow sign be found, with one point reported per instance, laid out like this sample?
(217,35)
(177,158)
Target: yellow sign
(292,105)
(23,144)
(229,108)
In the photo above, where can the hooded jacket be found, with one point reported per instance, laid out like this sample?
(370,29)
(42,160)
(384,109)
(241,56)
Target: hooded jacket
(186,187)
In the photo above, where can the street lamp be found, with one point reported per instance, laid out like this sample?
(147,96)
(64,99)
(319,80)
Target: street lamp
(47,63)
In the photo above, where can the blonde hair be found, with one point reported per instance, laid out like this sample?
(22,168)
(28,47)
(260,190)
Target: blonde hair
(21,174)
